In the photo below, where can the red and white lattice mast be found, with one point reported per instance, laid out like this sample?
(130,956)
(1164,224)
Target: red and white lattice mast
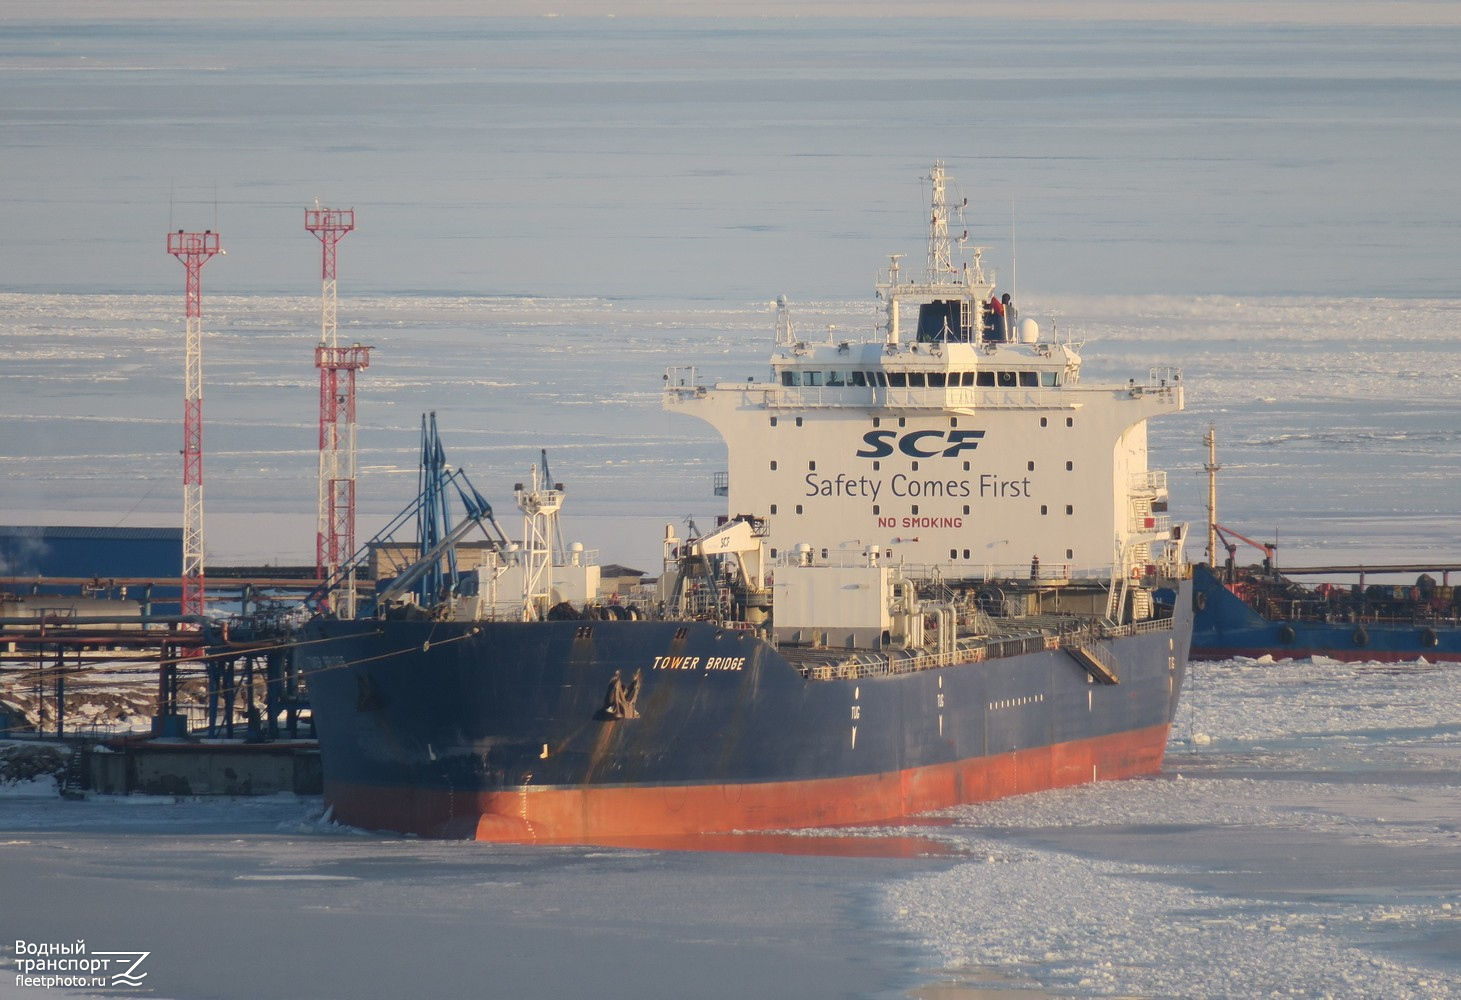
(335,539)
(194,250)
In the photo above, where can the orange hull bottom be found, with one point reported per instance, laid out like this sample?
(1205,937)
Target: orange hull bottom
(614,814)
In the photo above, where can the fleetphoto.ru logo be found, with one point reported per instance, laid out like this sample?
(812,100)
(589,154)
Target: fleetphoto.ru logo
(49,964)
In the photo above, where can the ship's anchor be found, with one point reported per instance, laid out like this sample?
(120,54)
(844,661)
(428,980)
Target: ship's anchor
(619,700)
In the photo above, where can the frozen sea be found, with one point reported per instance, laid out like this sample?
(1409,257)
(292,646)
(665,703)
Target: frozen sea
(551,211)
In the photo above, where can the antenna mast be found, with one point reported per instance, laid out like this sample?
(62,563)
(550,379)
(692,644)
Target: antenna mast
(1212,468)
(193,250)
(940,249)
(335,535)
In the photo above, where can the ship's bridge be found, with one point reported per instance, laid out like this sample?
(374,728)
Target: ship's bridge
(944,376)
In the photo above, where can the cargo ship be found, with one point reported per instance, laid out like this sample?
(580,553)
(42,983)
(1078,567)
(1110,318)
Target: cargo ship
(944,574)
(1259,610)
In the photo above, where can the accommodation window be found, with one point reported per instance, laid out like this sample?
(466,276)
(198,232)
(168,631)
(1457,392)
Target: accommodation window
(1069,466)
(1044,509)
(1070,421)
(798,421)
(966,508)
(1070,553)
(1069,509)
(812,466)
(953,553)
(798,508)
(773,508)
(1044,422)
(773,421)
(1029,466)
(877,509)
(915,466)
(915,508)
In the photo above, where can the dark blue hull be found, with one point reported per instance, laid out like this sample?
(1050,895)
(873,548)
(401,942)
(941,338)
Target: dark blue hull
(1225,626)
(499,729)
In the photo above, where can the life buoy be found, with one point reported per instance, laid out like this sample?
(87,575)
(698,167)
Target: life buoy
(1428,637)
(1286,633)
(1361,637)
(1199,600)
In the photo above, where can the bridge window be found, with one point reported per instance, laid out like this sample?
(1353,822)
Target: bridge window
(882,379)
(916,380)
(898,380)
(936,380)
(836,378)
(1030,380)
(1007,380)
(985,379)
(859,378)
(814,378)
(968,378)
(1050,379)
(791,378)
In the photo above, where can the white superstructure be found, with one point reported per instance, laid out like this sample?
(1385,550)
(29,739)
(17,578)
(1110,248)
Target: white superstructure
(960,443)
